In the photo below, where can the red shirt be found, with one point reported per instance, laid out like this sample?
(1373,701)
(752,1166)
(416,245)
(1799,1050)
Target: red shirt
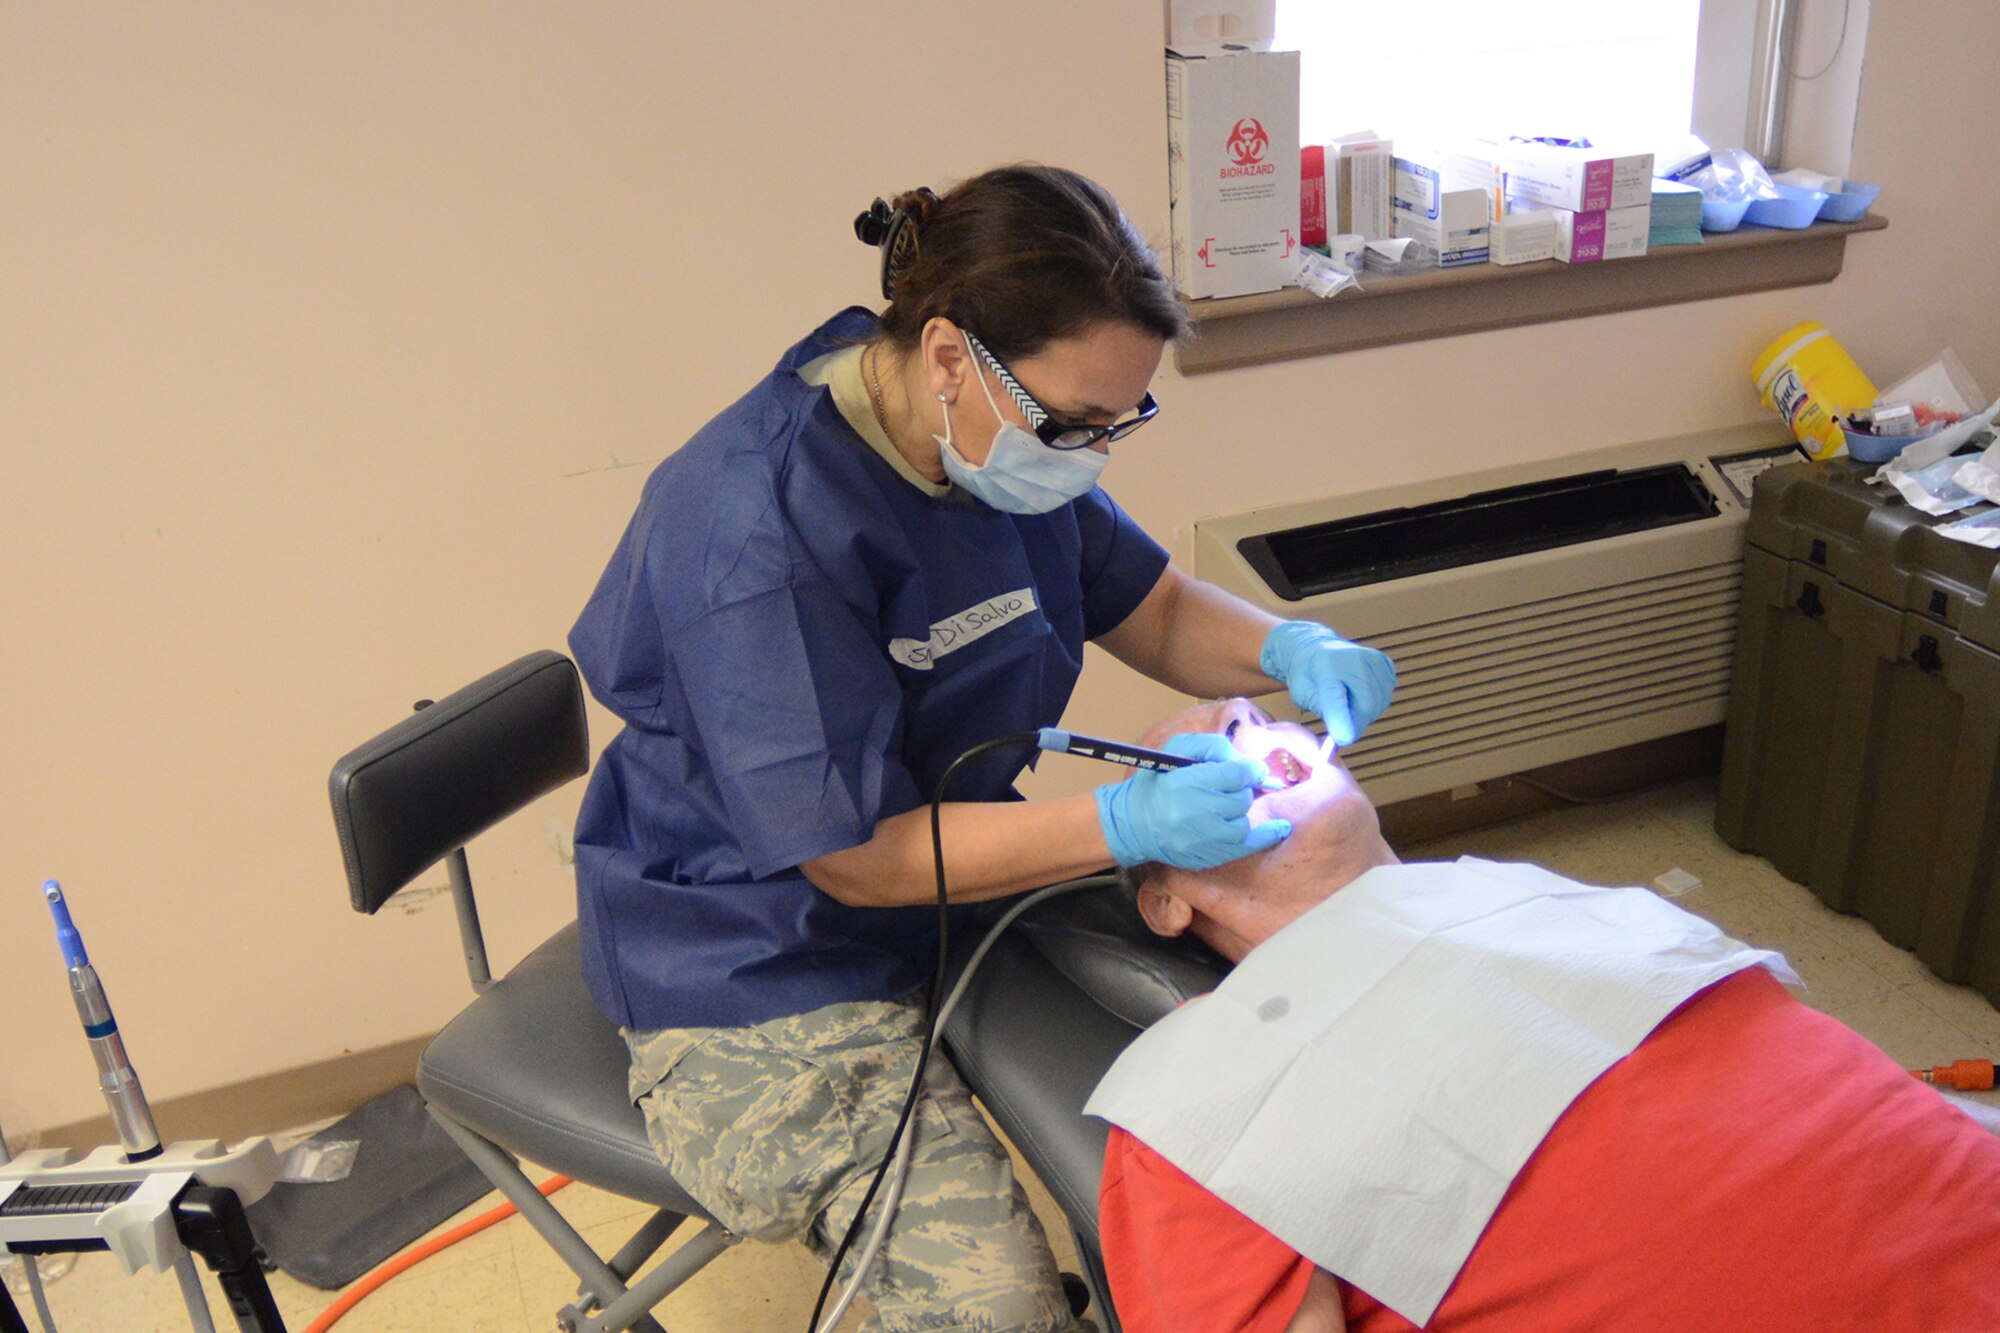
(1753,1164)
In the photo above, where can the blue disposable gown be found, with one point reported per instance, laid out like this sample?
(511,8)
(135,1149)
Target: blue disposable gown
(799,642)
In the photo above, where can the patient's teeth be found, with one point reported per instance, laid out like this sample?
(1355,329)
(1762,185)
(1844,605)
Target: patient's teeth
(1287,767)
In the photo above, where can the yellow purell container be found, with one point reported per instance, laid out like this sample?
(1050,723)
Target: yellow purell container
(1808,379)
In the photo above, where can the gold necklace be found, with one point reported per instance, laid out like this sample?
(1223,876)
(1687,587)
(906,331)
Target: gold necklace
(875,395)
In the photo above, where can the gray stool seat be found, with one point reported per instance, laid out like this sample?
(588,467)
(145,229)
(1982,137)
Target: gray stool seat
(534,1064)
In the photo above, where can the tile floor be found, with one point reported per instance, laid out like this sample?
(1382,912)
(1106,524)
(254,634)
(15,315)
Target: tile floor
(506,1281)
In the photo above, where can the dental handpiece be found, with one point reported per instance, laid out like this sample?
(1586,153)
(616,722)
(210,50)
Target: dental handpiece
(1118,752)
(116,1078)
(1111,752)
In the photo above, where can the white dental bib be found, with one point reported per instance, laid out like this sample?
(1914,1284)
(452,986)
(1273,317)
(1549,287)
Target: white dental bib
(1368,1082)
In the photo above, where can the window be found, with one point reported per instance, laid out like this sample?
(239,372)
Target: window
(1615,73)
(1780,77)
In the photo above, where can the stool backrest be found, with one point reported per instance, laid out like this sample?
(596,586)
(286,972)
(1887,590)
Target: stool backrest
(439,778)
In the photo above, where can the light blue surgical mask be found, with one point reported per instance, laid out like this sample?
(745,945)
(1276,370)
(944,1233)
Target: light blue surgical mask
(1021,475)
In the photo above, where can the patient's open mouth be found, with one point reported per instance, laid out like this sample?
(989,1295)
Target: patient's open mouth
(1287,769)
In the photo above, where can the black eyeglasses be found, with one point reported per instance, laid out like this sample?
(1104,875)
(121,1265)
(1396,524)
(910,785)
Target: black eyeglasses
(1061,434)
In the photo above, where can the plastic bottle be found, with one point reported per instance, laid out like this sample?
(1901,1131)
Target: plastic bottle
(1810,381)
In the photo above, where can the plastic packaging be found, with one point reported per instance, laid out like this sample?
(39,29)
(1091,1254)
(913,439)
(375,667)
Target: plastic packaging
(1973,430)
(1810,381)
(1933,489)
(1981,475)
(1979,530)
(1729,185)
(1322,276)
(1397,255)
(317,1162)
(1942,384)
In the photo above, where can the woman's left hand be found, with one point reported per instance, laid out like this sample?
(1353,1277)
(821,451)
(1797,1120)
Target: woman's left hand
(1347,684)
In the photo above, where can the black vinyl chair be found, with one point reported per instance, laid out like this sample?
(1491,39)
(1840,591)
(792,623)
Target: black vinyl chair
(1056,1000)
(532,1069)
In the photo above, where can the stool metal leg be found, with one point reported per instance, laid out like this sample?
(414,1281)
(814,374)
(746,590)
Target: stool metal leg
(646,1242)
(598,1278)
(651,1289)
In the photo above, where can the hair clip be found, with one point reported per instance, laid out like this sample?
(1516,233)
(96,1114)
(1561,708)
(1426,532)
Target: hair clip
(895,231)
(872,227)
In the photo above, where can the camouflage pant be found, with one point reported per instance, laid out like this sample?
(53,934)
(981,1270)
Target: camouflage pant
(777,1129)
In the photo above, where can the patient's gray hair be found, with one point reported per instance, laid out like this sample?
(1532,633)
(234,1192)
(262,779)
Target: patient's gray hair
(1134,878)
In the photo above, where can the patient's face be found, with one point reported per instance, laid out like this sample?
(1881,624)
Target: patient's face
(1335,836)
(1314,779)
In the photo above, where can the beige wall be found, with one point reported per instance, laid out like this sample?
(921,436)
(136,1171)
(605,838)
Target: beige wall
(336,340)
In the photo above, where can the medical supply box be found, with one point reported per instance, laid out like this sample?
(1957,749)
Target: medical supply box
(1524,238)
(1364,190)
(1233,170)
(1445,204)
(1863,739)
(1614,233)
(1583,180)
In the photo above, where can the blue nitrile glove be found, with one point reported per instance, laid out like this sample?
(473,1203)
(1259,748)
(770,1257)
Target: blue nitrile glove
(1195,817)
(1344,683)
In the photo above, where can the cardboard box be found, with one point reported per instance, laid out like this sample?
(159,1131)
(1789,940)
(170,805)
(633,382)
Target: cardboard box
(1466,164)
(1617,233)
(1524,238)
(1583,180)
(1452,224)
(1364,191)
(1233,170)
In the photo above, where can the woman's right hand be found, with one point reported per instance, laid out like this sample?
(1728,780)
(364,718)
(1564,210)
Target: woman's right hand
(1196,817)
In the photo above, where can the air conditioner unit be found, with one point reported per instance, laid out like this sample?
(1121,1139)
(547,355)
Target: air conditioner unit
(1536,613)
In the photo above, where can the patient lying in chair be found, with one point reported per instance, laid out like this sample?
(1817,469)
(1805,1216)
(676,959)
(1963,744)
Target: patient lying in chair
(1474,1096)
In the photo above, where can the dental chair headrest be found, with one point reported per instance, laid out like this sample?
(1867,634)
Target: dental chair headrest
(1095,938)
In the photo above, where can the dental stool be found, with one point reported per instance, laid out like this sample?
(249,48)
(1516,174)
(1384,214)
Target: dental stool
(532,1068)
(1058,998)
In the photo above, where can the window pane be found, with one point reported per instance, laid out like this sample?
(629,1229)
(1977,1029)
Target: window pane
(1612,71)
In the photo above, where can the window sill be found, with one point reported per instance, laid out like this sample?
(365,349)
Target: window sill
(1277,326)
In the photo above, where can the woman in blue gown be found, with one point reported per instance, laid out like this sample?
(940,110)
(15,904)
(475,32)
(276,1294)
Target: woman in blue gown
(892,548)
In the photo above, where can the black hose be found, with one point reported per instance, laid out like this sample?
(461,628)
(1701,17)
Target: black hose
(934,998)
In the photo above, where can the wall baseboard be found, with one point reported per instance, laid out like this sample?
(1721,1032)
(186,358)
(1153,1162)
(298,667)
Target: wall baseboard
(1597,777)
(265,1104)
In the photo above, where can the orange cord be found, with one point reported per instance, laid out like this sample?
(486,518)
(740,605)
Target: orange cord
(1964,1075)
(409,1258)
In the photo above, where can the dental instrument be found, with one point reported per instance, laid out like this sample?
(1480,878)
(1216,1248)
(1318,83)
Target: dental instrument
(151,1205)
(1056,741)
(131,1118)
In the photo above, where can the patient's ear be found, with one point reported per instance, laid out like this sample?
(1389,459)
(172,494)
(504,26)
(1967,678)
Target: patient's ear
(1163,913)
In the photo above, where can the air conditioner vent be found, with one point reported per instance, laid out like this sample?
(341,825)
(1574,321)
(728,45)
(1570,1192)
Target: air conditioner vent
(1490,525)
(1536,614)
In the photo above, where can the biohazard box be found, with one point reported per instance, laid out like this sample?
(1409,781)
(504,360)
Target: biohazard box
(1233,170)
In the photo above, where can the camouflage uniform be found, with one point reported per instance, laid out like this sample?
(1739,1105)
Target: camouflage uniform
(777,1129)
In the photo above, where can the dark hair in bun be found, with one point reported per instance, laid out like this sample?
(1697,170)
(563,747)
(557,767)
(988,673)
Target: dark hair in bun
(1021,256)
